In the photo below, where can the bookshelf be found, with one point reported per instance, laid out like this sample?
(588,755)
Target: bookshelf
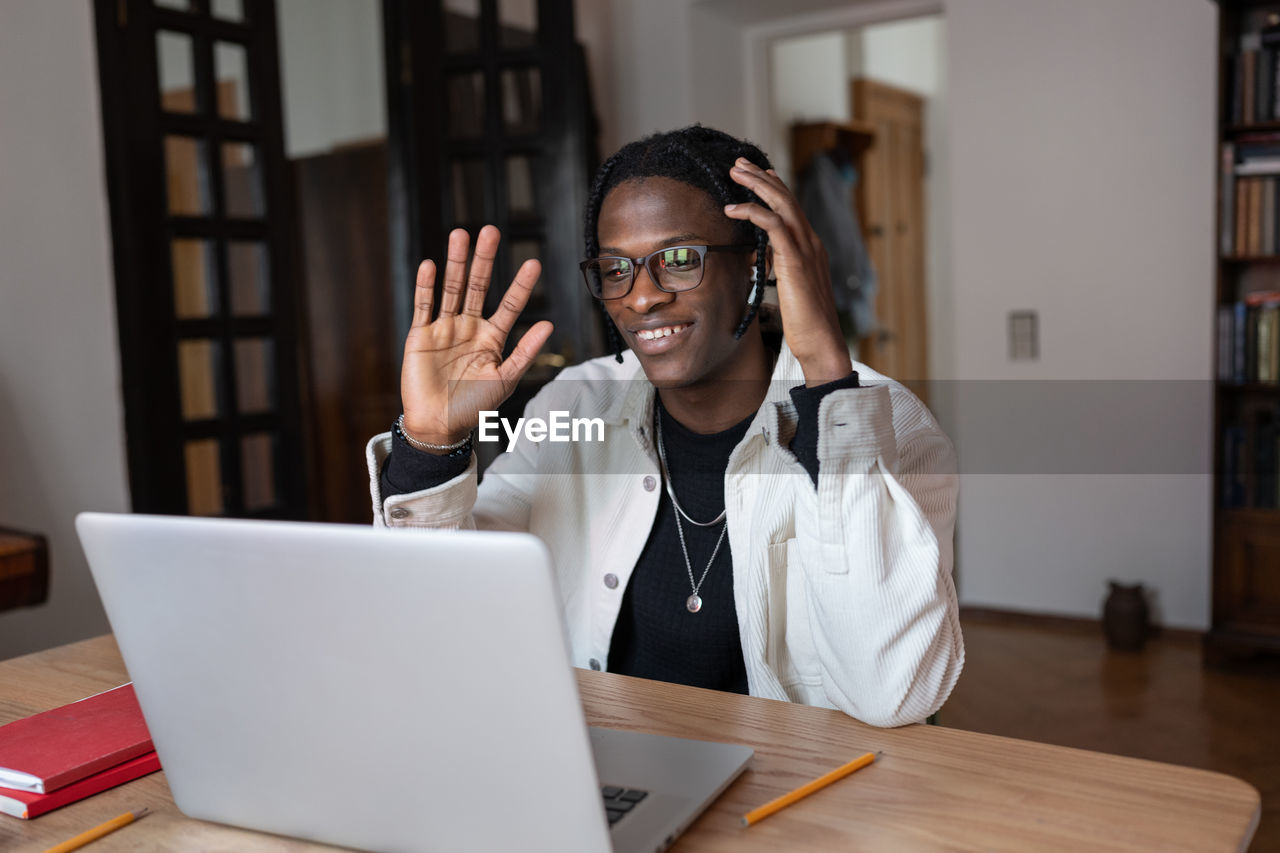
(1246,535)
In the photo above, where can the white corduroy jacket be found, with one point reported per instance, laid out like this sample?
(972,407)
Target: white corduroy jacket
(843,593)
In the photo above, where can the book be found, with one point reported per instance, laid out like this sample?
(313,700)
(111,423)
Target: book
(1242,216)
(1255,216)
(46,751)
(1238,342)
(1227,213)
(1233,488)
(1262,297)
(1264,461)
(1226,319)
(1251,344)
(1269,343)
(1265,78)
(28,804)
(1264,344)
(1258,166)
(1250,59)
(1267,214)
(1237,88)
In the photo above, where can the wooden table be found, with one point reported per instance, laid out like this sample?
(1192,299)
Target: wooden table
(933,788)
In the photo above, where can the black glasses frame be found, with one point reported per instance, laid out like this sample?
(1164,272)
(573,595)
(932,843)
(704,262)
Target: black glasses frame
(644,261)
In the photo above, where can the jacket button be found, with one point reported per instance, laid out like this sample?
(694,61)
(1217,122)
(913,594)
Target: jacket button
(650,484)
(400,512)
(611,580)
(594,664)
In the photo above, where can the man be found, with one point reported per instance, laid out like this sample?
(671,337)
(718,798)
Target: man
(760,516)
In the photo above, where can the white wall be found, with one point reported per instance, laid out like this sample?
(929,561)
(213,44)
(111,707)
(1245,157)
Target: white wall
(331,72)
(61,418)
(810,82)
(910,54)
(1083,188)
(651,53)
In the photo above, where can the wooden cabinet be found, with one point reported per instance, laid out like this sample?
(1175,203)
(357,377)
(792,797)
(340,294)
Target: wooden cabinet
(1246,584)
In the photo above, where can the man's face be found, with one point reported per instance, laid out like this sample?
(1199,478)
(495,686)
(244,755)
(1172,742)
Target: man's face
(640,216)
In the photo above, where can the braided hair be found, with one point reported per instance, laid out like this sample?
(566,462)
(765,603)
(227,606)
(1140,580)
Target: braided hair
(700,157)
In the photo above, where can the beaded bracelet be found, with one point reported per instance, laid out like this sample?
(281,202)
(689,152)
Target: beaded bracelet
(461,448)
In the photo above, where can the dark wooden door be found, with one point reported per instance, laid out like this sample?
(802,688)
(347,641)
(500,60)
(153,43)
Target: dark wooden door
(201,218)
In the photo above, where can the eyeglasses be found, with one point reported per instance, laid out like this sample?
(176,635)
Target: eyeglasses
(673,270)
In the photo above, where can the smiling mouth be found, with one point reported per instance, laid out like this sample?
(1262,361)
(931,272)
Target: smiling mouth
(661,332)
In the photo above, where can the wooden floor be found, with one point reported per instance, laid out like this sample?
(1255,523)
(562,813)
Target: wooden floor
(1059,684)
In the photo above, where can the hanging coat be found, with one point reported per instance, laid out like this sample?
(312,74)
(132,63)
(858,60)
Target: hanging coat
(826,197)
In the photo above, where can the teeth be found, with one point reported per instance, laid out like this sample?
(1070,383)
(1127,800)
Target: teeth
(654,334)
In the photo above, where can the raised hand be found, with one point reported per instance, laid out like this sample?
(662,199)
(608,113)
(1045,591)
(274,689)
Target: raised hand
(453,366)
(809,320)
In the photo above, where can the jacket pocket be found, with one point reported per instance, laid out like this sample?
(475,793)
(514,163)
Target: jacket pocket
(791,649)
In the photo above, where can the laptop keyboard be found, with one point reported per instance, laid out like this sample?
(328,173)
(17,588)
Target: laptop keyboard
(618,802)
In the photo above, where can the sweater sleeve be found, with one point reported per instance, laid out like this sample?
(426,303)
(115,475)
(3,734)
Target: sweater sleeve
(804,445)
(409,469)
(875,547)
(410,489)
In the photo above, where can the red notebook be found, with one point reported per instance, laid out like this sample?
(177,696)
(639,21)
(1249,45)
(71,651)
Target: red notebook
(44,752)
(28,804)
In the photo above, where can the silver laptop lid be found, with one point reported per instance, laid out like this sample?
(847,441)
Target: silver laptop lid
(388,708)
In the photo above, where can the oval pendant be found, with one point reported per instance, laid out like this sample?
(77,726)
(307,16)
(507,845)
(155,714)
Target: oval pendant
(694,603)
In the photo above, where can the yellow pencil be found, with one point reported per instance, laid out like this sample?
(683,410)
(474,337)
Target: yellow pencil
(97,832)
(759,814)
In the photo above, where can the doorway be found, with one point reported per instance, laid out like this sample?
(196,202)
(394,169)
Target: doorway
(888,78)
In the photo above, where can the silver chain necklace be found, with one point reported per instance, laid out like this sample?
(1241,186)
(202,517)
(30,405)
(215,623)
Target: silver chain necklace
(671,492)
(694,602)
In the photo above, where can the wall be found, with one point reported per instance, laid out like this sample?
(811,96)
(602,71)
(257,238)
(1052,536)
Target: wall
(810,82)
(652,56)
(1083,188)
(61,419)
(331,68)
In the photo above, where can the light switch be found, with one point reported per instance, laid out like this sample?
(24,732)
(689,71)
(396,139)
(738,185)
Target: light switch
(1024,336)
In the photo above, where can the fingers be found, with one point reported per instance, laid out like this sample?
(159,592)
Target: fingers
(424,293)
(481,270)
(517,364)
(773,192)
(455,270)
(517,296)
(780,236)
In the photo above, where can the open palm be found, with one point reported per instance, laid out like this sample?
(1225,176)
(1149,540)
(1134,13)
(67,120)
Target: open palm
(453,365)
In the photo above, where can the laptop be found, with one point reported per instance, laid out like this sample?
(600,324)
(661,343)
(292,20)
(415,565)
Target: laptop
(379,689)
